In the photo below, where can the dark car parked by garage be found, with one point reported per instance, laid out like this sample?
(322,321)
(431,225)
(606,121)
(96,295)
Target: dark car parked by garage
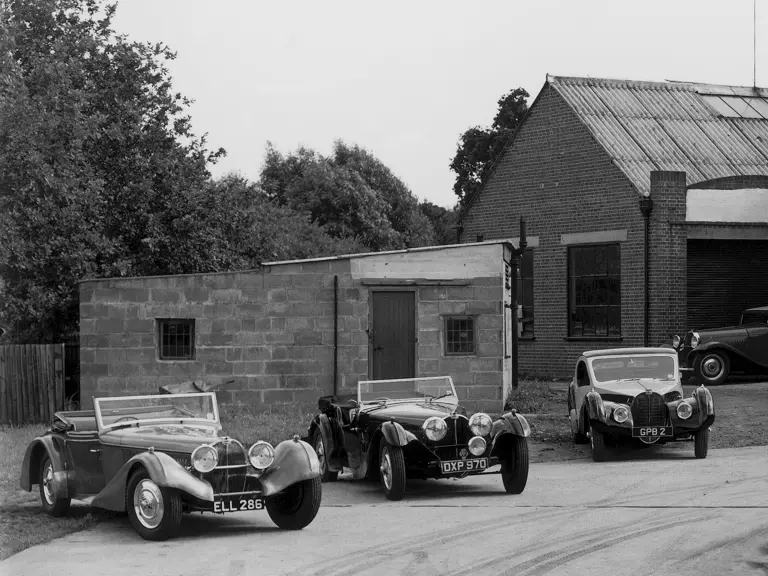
(713,355)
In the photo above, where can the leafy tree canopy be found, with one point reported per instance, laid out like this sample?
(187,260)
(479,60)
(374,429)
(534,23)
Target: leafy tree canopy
(479,148)
(351,194)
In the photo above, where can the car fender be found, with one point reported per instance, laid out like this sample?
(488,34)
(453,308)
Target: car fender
(706,404)
(163,471)
(295,461)
(716,345)
(395,434)
(323,423)
(512,424)
(33,458)
(595,407)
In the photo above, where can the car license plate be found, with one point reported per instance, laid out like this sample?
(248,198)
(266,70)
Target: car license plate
(449,466)
(238,505)
(652,431)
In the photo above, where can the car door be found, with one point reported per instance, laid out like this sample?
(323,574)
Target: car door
(756,345)
(84,450)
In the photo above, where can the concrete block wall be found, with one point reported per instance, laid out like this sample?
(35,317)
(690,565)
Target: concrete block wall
(560,179)
(477,377)
(271,331)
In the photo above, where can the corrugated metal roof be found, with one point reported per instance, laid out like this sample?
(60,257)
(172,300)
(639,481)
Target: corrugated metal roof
(648,126)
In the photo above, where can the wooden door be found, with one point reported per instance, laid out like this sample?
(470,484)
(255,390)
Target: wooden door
(393,342)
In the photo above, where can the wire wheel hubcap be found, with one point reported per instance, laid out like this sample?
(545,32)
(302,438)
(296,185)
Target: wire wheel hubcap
(712,366)
(386,469)
(148,504)
(48,483)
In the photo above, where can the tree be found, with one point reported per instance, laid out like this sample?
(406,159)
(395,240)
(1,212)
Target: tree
(479,148)
(442,220)
(351,195)
(100,174)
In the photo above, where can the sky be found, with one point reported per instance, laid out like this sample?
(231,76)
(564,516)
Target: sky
(404,79)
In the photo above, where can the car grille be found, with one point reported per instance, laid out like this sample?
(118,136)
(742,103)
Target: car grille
(649,409)
(458,437)
(231,471)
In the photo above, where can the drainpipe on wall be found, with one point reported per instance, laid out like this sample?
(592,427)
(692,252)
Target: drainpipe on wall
(335,330)
(646,207)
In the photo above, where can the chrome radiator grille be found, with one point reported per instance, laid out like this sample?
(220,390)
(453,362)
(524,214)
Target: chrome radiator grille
(230,473)
(649,409)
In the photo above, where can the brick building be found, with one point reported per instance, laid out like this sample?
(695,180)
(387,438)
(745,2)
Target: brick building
(292,331)
(589,161)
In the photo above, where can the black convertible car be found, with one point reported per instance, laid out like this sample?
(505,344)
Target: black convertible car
(415,428)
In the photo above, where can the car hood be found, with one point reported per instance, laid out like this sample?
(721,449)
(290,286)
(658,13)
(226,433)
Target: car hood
(163,437)
(412,414)
(725,333)
(617,391)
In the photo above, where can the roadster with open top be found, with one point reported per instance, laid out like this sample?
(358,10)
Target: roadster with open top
(159,456)
(634,395)
(415,428)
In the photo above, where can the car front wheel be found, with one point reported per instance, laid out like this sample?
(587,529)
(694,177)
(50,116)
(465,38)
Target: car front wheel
(155,511)
(514,466)
(392,469)
(711,368)
(326,475)
(296,506)
(597,441)
(51,505)
(701,443)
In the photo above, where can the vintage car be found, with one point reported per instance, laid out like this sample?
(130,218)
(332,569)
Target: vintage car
(712,355)
(414,428)
(631,396)
(158,456)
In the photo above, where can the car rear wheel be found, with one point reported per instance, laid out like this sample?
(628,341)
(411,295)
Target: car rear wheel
(712,368)
(155,511)
(295,507)
(51,505)
(326,475)
(514,466)
(392,469)
(597,441)
(701,443)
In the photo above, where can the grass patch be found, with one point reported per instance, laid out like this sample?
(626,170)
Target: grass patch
(22,520)
(279,422)
(534,397)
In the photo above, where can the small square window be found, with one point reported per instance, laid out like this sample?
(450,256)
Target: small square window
(459,335)
(176,339)
(479,237)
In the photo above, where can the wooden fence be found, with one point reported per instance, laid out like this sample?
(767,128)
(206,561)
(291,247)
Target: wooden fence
(31,382)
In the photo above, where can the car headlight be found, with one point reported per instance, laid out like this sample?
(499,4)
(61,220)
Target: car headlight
(695,339)
(261,455)
(480,424)
(477,445)
(684,410)
(204,458)
(676,341)
(620,414)
(435,428)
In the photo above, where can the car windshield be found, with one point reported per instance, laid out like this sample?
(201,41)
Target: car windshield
(434,388)
(630,367)
(135,410)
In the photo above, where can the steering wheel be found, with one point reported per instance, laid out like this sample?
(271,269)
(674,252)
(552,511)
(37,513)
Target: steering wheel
(126,418)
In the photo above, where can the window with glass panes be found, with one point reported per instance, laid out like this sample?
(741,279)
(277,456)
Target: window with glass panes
(459,335)
(176,339)
(525,293)
(594,290)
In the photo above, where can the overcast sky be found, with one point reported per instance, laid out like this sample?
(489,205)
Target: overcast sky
(404,79)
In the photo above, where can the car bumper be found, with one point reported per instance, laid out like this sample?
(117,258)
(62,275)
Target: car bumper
(679,430)
(433,469)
